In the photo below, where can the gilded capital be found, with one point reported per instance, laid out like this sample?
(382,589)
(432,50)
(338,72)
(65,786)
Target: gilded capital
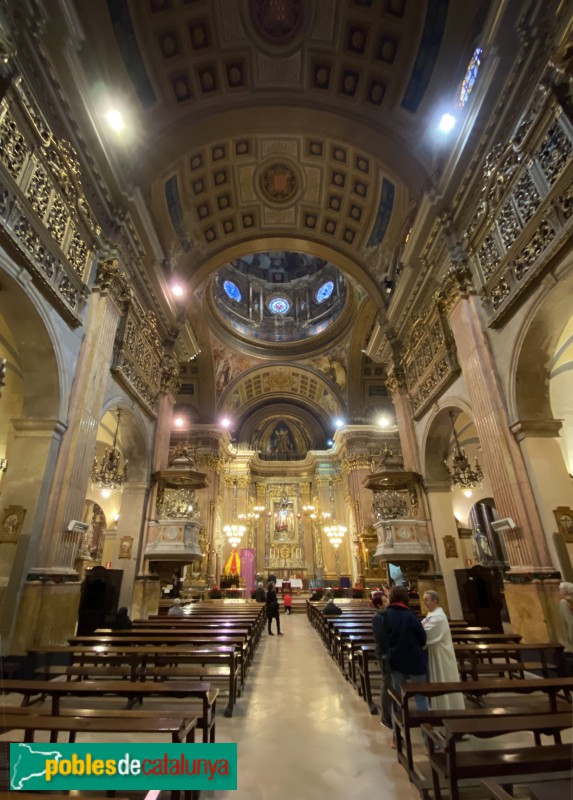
(112,280)
(456,285)
(396,380)
(170,381)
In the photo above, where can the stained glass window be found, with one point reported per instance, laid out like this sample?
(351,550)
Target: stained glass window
(324,291)
(232,290)
(470,77)
(279,305)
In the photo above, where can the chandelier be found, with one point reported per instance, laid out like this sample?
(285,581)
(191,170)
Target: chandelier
(335,534)
(462,474)
(234,533)
(109,474)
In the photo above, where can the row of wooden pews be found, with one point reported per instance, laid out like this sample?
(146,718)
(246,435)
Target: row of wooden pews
(169,673)
(509,688)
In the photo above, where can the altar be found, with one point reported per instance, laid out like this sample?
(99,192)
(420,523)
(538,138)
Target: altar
(295,583)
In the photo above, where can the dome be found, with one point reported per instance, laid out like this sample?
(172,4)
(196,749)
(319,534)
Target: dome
(279,297)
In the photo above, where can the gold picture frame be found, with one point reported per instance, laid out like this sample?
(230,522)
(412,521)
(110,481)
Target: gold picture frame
(125,547)
(564,519)
(11,522)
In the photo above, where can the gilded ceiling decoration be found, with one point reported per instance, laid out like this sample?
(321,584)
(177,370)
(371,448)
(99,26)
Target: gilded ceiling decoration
(277,185)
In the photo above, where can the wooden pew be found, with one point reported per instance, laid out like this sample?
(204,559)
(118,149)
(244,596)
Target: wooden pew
(511,764)
(407,718)
(133,692)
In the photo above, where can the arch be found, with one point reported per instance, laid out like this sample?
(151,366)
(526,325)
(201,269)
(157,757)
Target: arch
(303,385)
(306,431)
(530,365)
(134,435)
(41,360)
(199,273)
(437,436)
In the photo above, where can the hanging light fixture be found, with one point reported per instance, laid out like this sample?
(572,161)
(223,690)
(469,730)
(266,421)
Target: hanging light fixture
(335,534)
(462,475)
(109,474)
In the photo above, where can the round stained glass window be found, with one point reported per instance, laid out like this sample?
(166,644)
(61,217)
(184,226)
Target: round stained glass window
(232,290)
(279,305)
(324,291)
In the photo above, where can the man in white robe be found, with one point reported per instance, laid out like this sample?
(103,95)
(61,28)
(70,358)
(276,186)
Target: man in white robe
(443,667)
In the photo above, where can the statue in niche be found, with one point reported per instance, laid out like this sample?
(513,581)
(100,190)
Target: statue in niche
(481,547)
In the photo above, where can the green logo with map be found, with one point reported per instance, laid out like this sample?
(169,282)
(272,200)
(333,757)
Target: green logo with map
(66,767)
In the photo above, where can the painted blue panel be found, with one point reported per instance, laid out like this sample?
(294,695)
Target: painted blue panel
(125,34)
(427,56)
(383,214)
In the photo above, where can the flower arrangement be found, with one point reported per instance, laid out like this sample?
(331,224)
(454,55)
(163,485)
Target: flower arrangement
(215,593)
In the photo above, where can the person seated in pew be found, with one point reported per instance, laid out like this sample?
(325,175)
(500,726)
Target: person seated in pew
(176,610)
(406,641)
(566,622)
(442,663)
(331,609)
(121,621)
(260,595)
(380,603)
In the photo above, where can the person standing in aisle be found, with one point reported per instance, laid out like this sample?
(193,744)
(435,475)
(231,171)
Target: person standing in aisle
(272,605)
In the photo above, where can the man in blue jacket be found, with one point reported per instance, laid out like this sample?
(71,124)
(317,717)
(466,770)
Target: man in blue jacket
(406,639)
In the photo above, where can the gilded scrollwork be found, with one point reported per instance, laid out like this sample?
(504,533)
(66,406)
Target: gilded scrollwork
(140,362)
(429,360)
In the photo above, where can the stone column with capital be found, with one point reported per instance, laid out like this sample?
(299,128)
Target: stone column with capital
(526,545)
(47,613)
(396,385)
(78,447)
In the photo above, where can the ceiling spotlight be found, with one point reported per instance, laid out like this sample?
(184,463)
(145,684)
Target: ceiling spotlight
(339,423)
(177,290)
(179,422)
(384,422)
(468,492)
(447,122)
(330,443)
(115,120)
(105,493)
(226,422)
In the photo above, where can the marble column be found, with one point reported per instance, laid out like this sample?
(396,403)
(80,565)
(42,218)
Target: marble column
(552,487)
(396,385)
(27,483)
(444,524)
(503,460)
(86,400)
(132,509)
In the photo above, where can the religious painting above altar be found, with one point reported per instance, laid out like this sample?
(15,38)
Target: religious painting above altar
(284,520)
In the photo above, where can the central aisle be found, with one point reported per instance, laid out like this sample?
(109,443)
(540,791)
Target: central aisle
(302,731)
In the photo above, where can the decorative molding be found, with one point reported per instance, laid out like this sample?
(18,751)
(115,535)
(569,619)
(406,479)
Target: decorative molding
(536,428)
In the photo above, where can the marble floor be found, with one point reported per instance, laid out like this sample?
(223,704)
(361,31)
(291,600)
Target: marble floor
(302,731)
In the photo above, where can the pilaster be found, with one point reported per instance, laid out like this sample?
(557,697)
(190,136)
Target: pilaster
(526,545)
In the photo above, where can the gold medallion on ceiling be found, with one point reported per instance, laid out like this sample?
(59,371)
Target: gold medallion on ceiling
(279,182)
